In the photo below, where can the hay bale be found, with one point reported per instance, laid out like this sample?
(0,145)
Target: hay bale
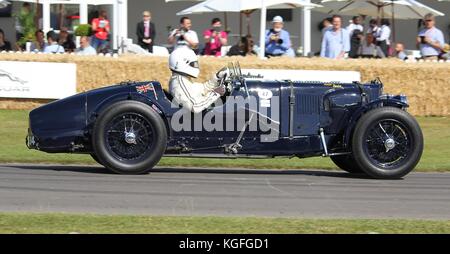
(427,85)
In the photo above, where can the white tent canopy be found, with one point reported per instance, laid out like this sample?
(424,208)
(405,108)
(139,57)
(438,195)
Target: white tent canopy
(119,22)
(242,5)
(168,1)
(401,9)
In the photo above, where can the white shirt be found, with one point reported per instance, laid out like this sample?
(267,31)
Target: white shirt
(384,34)
(352,27)
(375,31)
(191,34)
(370,50)
(88,51)
(54,48)
(435,35)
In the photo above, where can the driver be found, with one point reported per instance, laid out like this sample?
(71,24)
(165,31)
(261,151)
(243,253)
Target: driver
(196,97)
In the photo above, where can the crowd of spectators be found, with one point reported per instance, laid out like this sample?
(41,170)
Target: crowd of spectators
(375,42)
(61,41)
(338,41)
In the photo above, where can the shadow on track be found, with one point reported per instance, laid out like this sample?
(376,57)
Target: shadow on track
(102,170)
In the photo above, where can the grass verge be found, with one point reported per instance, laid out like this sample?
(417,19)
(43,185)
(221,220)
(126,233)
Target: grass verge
(13,129)
(88,223)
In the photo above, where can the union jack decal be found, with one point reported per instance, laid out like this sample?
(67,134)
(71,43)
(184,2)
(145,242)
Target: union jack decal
(144,88)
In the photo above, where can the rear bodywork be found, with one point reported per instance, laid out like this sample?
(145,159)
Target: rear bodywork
(313,118)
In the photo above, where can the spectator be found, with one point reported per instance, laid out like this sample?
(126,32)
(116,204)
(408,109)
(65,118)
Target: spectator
(445,52)
(430,39)
(335,42)
(146,32)
(326,25)
(215,38)
(101,29)
(278,41)
(355,25)
(355,43)
(243,48)
(4,44)
(53,46)
(85,48)
(400,51)
(373,28)
(66,40)
(39,44)
(383,35)
(368,49)
(184,35)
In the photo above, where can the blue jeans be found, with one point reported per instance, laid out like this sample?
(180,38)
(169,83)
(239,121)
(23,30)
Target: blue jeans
(98,44)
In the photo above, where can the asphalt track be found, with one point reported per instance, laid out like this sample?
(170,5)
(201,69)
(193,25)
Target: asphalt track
(223,192)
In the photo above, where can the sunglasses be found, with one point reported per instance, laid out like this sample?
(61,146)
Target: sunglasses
(428,20)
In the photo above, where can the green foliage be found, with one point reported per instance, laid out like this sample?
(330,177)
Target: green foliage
(26,20)
(83,30)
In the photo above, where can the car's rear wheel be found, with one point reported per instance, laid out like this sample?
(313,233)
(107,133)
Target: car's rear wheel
(129,137)
(387,143)
(346,163)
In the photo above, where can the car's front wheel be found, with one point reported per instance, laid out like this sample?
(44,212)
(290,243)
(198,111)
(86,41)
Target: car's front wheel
(387,143)
(93,156)
(347,163)
(129,137)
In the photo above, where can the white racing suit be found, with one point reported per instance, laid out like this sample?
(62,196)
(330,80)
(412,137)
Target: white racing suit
(193,95)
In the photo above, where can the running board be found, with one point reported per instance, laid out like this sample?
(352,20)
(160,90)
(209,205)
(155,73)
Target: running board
(218,156)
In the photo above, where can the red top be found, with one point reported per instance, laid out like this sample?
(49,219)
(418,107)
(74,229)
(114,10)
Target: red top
(101,24)
(213,46)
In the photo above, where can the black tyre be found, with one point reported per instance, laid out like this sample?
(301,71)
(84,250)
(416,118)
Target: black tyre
(129,137)
(96,159)
(387,143)
(346,163)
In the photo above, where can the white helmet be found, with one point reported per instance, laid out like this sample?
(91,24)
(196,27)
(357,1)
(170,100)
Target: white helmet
(183,60)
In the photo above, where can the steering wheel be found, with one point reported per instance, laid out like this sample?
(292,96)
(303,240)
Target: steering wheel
(229,79)
(227,83)
(235,70)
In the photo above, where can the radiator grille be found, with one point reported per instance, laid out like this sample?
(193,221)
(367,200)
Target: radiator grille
(307,104)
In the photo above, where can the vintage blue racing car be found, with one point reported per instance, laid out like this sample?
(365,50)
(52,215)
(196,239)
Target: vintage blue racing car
(128,127)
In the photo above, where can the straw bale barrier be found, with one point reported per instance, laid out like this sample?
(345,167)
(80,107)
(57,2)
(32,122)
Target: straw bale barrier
(427,85)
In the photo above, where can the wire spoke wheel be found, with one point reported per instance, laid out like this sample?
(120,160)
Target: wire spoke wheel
(388,143)
(129,136)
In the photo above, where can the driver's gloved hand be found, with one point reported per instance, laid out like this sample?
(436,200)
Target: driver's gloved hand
(220,90)
(222,73)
